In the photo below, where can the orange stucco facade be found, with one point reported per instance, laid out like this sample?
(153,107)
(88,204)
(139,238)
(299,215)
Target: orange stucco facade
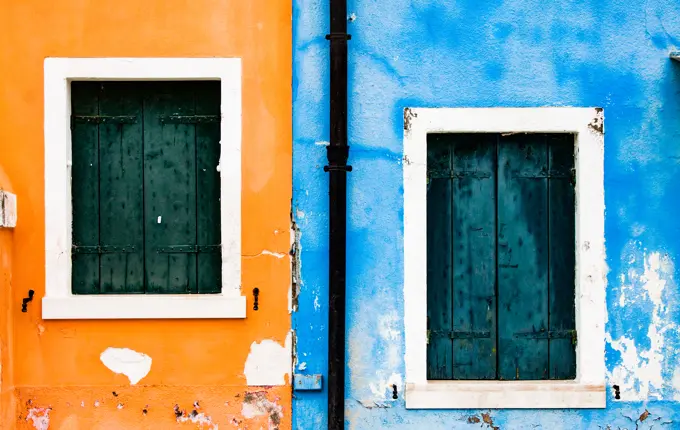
(53,368)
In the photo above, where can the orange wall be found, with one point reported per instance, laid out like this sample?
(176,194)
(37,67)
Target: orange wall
(7,398)
(56,363)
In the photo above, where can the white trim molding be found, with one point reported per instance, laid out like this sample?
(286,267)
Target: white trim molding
(588,389)
(59,302)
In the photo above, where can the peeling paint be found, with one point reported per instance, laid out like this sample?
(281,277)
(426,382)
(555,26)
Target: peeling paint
(640,372)
(135,365)
(274,254)
(268,362)
(39,417)
(256,405)
(194,417)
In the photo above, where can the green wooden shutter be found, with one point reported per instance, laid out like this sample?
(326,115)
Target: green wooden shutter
(85,188)
(181,150)
(146,194)
(120,189)
(208,221)
(501,258)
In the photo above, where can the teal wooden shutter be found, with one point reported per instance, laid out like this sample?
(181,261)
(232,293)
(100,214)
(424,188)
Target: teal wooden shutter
(461,257)
(501,258)
(439,262)
(562,257)
(522,257)
(146,194)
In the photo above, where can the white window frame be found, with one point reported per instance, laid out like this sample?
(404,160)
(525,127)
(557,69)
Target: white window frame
(588,389)
(59,302)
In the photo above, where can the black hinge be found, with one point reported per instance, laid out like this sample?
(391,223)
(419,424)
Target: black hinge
(105,249)
(188,119)
(188,249)
(103,119)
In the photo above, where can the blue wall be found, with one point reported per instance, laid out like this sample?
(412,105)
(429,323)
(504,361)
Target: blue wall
(474,53)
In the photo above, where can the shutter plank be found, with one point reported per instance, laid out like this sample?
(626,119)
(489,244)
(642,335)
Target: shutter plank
(562,255)
(85,188)
(121,189)
(170,189)
(439,258)
(209,265)
(522,257)
(474,252)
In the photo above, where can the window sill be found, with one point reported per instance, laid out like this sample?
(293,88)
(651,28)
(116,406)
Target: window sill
(506,394)
(147,306)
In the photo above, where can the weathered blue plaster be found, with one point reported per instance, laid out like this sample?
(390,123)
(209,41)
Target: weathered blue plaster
(472,53)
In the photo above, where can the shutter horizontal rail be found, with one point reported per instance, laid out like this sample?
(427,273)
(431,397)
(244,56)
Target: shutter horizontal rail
(444,174)
(550,174)
(105,249)
(188,119)
(188,249)
(104,119)
(459,334)
(547,334)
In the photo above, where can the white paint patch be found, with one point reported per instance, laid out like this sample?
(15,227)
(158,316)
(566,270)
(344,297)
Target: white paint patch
(274,254)
(39,417)
(268,362)
(135,365)
(317,305)
(322,143)
(382,389)
(676,384)
(290,299)
(278,255)
(303,366)
(640,373)
(159,219)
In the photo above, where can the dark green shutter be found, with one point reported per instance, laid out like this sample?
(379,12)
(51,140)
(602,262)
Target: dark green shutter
(146,200)
(501,259)
(85,188)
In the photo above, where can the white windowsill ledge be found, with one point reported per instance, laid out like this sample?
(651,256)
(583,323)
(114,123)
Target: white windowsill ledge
(505,395)
(146,306)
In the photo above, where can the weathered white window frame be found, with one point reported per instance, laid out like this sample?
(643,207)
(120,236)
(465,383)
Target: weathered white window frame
(588,389)
(59,302)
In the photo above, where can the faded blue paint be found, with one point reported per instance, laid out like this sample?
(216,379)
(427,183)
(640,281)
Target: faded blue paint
(471,53)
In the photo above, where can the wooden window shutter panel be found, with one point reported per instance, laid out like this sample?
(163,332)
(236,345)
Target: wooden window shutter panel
(208,222)
(120,185)
(85,188)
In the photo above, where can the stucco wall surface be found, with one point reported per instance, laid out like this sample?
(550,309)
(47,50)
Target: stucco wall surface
(612,54)
(185,372)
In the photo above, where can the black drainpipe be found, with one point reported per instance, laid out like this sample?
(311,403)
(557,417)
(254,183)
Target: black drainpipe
(337,152)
